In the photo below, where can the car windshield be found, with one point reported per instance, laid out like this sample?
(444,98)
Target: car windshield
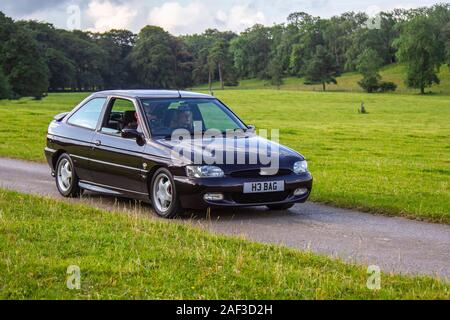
(167,115)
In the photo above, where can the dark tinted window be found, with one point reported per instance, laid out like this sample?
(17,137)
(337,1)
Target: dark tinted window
(87,116)
(167,115)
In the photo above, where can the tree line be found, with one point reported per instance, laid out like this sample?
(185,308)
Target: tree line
(36,57)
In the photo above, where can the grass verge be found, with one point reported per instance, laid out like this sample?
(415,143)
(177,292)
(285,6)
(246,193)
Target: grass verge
(131,257)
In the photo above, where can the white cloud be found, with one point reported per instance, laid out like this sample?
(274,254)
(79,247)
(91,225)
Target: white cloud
(106,15)
(176,18)
(196,17)
(188,16)
(242,17)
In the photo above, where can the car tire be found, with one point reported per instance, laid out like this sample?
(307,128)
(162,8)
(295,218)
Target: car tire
(66,177)
(278,207)
(164,196)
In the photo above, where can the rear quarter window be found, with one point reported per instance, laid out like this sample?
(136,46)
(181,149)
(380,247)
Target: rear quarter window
(88,115)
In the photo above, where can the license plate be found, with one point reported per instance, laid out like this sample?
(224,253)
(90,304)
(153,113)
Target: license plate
(261,187)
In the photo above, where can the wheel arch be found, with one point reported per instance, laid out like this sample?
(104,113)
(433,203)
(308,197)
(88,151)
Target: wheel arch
(150,175)
(56,156)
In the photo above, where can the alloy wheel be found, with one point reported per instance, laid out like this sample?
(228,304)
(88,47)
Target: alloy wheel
(65,175)
(163,193)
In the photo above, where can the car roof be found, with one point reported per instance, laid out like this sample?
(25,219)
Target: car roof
(153,94)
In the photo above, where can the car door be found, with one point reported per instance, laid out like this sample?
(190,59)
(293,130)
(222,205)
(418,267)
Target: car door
(77,134)
(117,162)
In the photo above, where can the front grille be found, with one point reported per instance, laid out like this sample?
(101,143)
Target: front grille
(244,198)
(255,173)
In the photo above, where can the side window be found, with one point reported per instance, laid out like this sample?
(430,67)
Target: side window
(121,115)
(87,116)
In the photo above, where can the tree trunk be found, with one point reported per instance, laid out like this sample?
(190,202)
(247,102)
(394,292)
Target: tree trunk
(323,85)
(222,86)
(422,89)
(209,80)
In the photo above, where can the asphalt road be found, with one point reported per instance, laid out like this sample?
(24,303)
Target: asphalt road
(395,244)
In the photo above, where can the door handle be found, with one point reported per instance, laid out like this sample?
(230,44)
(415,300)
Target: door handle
(98,143)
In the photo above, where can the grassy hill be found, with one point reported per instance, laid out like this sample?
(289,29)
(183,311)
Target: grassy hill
(346,82)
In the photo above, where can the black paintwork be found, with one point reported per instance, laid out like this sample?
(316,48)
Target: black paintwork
(122,167)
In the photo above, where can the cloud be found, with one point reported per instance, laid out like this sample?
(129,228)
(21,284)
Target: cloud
(187,16)
(196,17)
(176,18)
(24,7)
(106,15)
(242,17)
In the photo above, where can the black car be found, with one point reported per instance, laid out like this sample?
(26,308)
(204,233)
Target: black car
(154,145)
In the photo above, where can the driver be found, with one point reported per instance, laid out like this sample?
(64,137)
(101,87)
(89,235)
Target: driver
(135,124)
(185,119)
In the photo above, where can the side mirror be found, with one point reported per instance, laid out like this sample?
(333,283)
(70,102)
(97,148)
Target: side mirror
(133,134)
(251,128)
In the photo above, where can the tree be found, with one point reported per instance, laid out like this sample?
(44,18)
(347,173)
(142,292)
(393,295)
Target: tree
(275,71)
(62,70)
(212,59)
(218,56)
(321,68)
(446,35)
(310,35)
(25,65)
(22,60)
(117,45)
(158,59)
(184,64)
(337,34)
(251,52)
(420,48)
(5,88)
(368,64)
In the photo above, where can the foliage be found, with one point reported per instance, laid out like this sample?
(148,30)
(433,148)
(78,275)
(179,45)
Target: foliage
(369,64)
(321,68)
(387,86)
(252,50)
(275,72)
(85,61)
(5,88)
(421,49)
(153,59)
(22,60)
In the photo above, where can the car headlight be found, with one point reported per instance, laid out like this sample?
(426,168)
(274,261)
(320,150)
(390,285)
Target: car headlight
(300,167)
(204,172)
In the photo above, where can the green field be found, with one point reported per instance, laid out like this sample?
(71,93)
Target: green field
(348,82)
(394,160)
(124,256)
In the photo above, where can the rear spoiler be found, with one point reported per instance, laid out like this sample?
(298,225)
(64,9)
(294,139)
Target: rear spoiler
(61,116)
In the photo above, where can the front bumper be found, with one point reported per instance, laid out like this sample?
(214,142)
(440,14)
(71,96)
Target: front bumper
(191,191)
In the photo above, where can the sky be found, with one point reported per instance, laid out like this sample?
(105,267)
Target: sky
(186,16)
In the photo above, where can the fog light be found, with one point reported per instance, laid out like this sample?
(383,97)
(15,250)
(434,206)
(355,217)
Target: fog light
(213,197)
(300,192)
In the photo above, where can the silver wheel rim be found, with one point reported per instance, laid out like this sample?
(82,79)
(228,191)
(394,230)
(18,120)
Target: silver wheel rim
(162,193)
(65,175)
